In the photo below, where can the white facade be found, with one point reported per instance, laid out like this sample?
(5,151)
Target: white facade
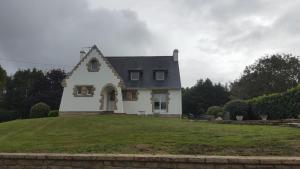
(104,81)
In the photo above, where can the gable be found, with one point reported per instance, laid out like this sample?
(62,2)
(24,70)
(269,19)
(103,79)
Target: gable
(82,65)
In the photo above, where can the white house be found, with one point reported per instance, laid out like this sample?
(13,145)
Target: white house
(143,85)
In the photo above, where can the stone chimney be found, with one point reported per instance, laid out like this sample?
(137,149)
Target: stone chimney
(175,55)
(82,54)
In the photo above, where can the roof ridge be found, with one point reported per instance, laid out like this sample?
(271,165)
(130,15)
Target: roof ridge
(139,56)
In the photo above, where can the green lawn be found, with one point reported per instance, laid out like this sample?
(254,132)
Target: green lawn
(134,134)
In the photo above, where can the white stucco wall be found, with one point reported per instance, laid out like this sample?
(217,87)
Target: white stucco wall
(144,105)
(81,76)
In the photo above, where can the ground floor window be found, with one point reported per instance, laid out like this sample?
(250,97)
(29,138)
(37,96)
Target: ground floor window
(129,95)
(160,101)
(83,90)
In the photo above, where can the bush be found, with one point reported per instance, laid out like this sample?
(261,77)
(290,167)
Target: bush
(237,108)
(39,110)
(277,105)
(7,115)
(216,111)
(53,113)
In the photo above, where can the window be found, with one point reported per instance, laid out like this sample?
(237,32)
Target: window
(135,75)
(160,102)
(83,91)
(129,95)
(159,75)
(93,65)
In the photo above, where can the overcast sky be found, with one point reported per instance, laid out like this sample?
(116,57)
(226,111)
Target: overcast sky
(216,39)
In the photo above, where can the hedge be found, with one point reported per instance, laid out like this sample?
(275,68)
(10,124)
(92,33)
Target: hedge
(278,105)
(39,110)
(53,113)
(7,115)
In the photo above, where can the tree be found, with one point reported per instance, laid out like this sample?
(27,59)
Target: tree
(270,74)
(24,90)
(54,88)
(204,94)
(3,79)
(28,87)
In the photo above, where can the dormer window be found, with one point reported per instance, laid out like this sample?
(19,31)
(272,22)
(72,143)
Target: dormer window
(159,75)
(93,65)
(135,75)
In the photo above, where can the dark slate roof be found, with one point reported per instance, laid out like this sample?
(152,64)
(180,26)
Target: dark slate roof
(147,65)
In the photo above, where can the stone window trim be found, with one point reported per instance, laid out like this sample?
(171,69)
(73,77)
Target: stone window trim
(75,91)
(89,65)
(64,83)
(134,95)
(160,92)
(102,96)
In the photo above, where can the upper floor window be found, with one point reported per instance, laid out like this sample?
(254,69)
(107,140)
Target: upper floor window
(134,75)
(159,75)
(93,65)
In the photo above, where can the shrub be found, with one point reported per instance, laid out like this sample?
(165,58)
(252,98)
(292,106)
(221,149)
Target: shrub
(53,113)
(277,105)
(216,111)
(237,108)
(7,115)
(39,110)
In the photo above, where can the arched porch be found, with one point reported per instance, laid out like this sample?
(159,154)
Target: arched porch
(109,98)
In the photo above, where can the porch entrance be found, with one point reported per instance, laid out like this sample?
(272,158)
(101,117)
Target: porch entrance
(108,101)
(111,100)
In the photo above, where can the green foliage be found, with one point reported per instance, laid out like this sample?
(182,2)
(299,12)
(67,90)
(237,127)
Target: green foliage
(217,111)
(3,77)
(28,87)
(237,108)
(198,98)
(53,113)
(7,115)
(277,105)
(270,74)
(39,110)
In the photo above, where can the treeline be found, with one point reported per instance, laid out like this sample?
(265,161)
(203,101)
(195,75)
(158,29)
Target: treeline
(25,88)
(198,98)
(261,90)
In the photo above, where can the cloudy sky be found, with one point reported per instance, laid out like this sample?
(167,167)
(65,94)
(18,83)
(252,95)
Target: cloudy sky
(216,39)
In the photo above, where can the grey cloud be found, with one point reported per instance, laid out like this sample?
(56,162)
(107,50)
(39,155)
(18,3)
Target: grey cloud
(54,31)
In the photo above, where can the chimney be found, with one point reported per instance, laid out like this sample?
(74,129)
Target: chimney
(175,55)
(82,54)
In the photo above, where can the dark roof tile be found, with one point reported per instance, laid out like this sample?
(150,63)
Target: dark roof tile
(147,64)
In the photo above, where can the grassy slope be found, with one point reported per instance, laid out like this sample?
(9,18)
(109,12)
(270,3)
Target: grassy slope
(132,134)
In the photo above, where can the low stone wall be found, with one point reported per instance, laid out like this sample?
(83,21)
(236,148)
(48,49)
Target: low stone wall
(108,161)
(284,122)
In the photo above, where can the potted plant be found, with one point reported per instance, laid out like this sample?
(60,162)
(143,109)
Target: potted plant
(220,115)
(237,108)
(240,115)
(264,116)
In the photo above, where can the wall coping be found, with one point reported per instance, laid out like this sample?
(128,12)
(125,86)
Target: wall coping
(266,160)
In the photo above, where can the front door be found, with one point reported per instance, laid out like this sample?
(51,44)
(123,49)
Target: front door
(160,103)
(111,101)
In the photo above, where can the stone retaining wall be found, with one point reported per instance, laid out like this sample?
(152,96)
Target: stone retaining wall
(106,161)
